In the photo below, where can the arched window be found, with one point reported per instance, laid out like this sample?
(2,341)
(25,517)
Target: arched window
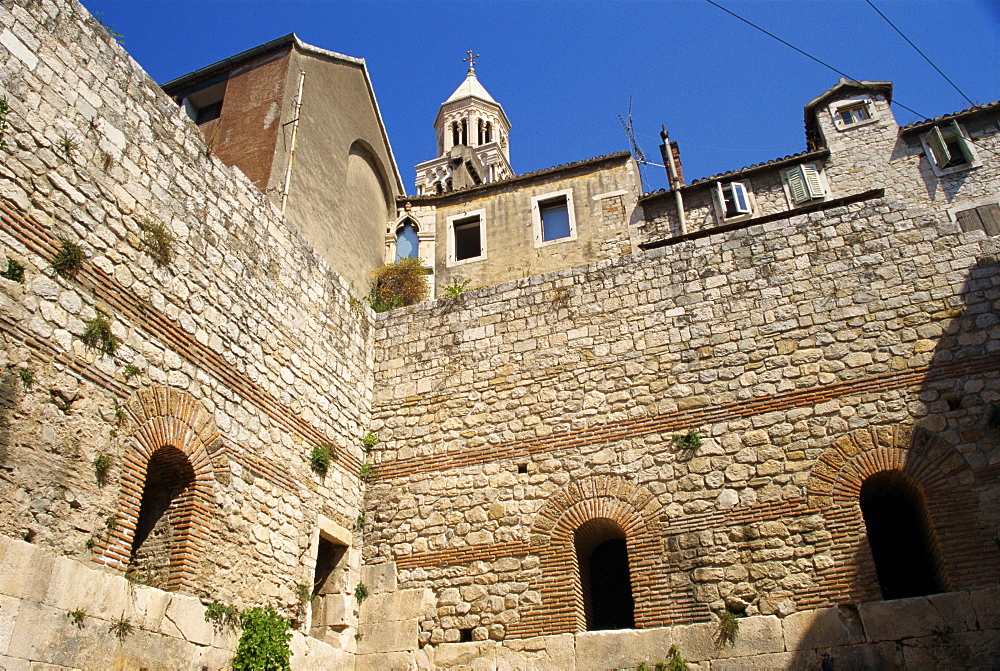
(602,557)
(407,244)
(489,131)
(455,138)
(900,535)
(163,512)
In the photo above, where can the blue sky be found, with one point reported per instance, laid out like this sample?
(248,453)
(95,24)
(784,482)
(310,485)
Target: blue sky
(564,71)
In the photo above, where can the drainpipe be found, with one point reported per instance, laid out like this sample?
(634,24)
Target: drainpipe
(668,160)
(295,137)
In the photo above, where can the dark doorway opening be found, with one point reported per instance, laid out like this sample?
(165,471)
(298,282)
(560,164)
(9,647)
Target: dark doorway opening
(602,555)
(162,513)
(900,536)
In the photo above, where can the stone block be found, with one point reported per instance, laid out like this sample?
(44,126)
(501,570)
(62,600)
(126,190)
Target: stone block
(545,652)
(12,664)
(391,661)
(451,655)
(311,653)
(188,614)
(987,605)
(778,660)
(900,618)
(402,605)
(758,635)
(334,610)
(886,655)
(398,636)
(956,609)
(44,633)
(822,628)
(608,649)
(9,607)
(965,650)
(696,641)
(379,577)
(24,570)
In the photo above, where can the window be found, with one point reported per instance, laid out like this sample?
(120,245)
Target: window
(407,243)
(553,217)
(804,184)
(466,238)
(900,536)
(208,113)
(734,200)
(851,113)
(985,217)
(605,583)
(948,149)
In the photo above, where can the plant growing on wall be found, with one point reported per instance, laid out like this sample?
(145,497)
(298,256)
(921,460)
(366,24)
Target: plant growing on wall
(264,642)
(456,288)
(120,416)
(68,259)
(67,145)
(15,271)
(361,592)
(361,520)
(396,284)
(27,377)
(97,335)
(365,472)
(675,661)
(729,627)
(4,109)
(102,464)
(158,242)
(77,617)
(303,593)
(222,616)
(121,628)
(99,17)
(130,371)
(320,457)
(688,441)
(369,441)
(111,523)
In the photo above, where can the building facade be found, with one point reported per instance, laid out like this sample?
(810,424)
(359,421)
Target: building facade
(767,397)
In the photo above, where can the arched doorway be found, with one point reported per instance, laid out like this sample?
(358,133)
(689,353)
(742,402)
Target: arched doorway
(900,536)
(164,510)
(605,582)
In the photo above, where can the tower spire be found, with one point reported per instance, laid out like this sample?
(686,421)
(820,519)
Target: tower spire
(471,61)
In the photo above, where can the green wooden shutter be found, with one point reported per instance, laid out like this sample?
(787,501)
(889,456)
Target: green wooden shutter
(990,215)
(797,185)
(939,149)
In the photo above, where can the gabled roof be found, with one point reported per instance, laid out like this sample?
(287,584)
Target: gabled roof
(470,88)
(845,88)
(219,68)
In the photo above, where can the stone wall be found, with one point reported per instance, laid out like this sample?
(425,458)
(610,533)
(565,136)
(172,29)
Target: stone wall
(237,358)
(809,352)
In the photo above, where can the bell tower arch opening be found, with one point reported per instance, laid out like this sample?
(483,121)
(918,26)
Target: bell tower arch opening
(901,536)
(605,582)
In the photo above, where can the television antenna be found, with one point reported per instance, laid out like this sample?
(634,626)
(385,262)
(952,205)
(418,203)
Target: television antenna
(637,153)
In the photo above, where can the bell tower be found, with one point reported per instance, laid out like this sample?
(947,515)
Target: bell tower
(472,140)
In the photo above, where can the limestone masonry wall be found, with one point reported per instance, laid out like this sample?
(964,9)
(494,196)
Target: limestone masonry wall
(809,352)
(247,350)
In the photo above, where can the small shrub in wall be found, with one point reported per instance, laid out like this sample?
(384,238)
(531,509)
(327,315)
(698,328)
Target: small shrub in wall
(361,592)
(158,242)
(264,642)
(97,335)
(369,441)
(68,259)
(14,272)
(729,627)
(688,441)
(675,661)
(396,284)
(102,464)
(320,457)
(222,616)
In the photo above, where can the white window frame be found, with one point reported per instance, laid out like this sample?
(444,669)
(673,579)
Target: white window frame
(813,180)
(450,260)
(536,216)
(720,200)
(954,211)
(933,143)
(839,106)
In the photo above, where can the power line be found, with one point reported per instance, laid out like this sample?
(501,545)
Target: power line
(807,55)
(953,84)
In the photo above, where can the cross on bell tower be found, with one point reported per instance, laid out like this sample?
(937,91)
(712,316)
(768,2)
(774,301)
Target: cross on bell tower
(471,60)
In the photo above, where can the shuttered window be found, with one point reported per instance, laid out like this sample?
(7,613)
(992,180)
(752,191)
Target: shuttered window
(948,148)
(804,184)
(984,218)
(734,200)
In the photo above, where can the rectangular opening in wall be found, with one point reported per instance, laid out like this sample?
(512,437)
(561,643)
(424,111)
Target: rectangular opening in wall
(468,240)
(522,468)
(555,218)
(464,635)
(328,558)
(205,104)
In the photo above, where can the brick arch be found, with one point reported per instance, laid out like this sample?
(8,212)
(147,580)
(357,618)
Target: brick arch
(159,418)
(968,555)
(628,505)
